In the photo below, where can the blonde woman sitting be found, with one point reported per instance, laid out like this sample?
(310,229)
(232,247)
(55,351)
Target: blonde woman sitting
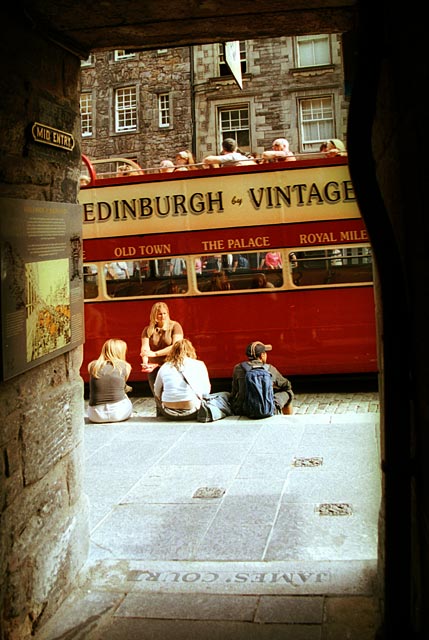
(108,375)
(157,339)
(181,382)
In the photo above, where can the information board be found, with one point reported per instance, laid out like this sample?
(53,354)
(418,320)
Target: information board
(41,282)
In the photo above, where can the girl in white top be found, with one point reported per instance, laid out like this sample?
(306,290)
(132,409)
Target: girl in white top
(177,397)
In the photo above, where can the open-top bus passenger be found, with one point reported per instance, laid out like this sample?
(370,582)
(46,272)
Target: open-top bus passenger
(166,166)
(108,375)
(229,157)
(280,152)
(184,161)
(335,147)
(157,339)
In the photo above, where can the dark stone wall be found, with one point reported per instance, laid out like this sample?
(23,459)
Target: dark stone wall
(44,513)
(153,73)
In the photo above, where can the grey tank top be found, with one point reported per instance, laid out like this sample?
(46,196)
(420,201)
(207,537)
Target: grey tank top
(109,387)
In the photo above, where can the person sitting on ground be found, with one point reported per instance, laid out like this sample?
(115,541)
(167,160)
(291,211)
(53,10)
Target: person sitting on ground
(108,375)
(181,383)
(184,161)
(166,166)
(157,340)
(256,353)
(230,156)
(280,152)
(335,147)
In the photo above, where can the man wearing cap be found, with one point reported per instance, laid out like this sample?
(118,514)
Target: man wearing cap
(256,353)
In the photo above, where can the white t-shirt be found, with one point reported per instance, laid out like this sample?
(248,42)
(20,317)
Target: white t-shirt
(170,385)
(230,159)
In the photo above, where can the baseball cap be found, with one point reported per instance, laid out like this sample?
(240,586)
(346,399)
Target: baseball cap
(254,349)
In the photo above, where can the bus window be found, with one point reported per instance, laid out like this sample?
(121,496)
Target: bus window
(331,266)
(165,276)
(235,272)
(90,281)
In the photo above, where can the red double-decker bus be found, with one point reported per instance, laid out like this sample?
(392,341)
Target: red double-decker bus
(274,252)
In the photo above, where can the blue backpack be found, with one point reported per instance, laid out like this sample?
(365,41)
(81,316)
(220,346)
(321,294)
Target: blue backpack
(259,393)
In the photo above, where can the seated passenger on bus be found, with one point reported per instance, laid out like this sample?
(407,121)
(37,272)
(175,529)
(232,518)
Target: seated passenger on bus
(280,152)
(166,166)
(184,161)
(335,147)
(256,353)
(219,282)
(127,170)
(181,383)
(157,339)
(260,282)
(228,157)
(108,375)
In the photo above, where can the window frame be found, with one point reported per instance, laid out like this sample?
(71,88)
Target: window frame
(120,54)
(132,108)
(231,131)
(313,40)
(223,69)
(164,112)
(88,130)
(89,62)
(309,144)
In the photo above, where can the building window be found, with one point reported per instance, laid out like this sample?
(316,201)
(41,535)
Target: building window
(86,114)
(89,61)
(164,109)
(126,109)
(234,123)
(316,121)
(313,51)
(123,54)
(223,67)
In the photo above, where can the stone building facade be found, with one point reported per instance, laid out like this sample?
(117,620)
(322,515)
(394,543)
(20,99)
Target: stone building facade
(149,105)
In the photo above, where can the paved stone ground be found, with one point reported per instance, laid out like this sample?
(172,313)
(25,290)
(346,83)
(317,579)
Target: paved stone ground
(286,552)
(304,403)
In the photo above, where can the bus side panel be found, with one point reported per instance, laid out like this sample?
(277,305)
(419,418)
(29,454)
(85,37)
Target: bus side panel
(313,331)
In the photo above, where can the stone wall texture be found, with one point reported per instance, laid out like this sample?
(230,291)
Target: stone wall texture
(44,512)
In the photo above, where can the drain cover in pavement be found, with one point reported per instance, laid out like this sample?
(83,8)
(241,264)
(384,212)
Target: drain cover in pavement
(335,509)
(307,462)
(209,492)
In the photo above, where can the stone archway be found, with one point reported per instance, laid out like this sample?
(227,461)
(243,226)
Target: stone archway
(42,78)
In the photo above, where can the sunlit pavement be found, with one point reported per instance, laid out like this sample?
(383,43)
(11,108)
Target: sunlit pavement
(236,529)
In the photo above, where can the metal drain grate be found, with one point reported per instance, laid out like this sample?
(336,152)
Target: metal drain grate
(335,509)
(307,462)
(209,492)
